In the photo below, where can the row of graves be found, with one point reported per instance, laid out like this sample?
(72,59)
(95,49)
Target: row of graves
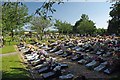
(41,66)
(100,54)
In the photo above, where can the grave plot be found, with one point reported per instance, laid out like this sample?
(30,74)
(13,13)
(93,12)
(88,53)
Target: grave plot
(93,58)
(41,65)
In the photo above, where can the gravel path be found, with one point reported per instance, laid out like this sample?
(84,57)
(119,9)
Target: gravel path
(7,54)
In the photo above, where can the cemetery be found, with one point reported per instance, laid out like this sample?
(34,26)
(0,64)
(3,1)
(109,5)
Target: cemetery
(38,42)
(97,55)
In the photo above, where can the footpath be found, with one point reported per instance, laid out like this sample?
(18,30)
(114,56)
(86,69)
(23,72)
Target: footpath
(8,54)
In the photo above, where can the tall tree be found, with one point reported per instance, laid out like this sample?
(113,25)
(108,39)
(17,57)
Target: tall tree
(114,23)
(63,27)
(14,16)
(84,25)
(39,24)
(75,30)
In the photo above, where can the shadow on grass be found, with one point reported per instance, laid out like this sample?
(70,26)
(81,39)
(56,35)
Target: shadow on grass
(21,62)
(16,74)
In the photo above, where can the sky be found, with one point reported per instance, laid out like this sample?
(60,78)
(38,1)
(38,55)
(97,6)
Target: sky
(55,0)
(71,12)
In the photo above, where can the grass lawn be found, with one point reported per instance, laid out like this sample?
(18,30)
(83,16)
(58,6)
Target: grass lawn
(11,43)
(7,49)
(13,69)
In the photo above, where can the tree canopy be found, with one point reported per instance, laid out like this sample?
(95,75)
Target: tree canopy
(14,16)
(100,31)
(84,25)
(114,23)
(63,27)
(39,24)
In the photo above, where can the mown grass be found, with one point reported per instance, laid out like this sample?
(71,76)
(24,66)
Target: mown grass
(7,49)
(11,43)
(13,69)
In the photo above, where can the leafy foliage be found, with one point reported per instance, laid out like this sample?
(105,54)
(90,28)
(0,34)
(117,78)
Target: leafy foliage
(14,16)
(84,25)
(47,8)
(63,27)
(39,24)
(100,31)
(114,23)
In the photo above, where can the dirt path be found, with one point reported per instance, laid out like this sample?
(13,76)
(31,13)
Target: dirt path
(7,54)
(78,69)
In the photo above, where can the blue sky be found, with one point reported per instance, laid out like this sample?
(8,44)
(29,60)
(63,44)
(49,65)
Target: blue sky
(72,11)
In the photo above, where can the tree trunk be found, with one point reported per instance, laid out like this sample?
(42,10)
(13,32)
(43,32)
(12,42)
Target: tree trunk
(3,41)
(42,34)
(12,34)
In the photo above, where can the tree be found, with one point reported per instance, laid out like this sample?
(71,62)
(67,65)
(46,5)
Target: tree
(114,23)
(75,27)
(59,26)
(84,25)
(63,27)
(0,20)
(47,8)
(39,24)
(14,16)
(100,31)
